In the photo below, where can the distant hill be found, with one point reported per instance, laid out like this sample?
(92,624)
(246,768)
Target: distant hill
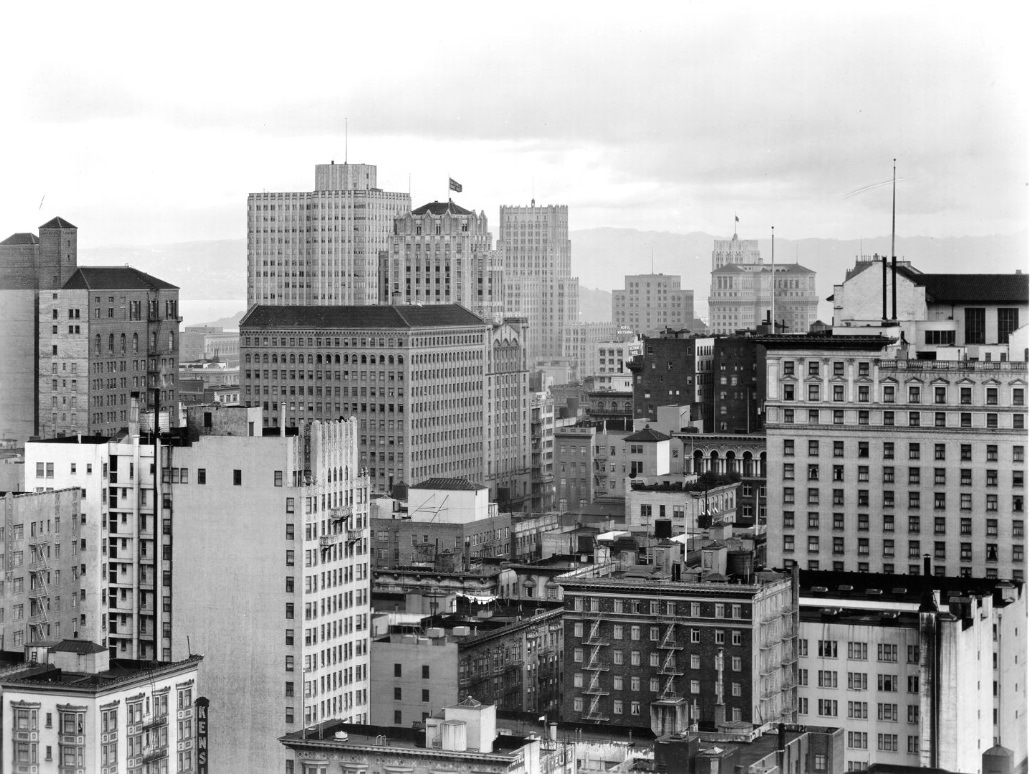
(601,258)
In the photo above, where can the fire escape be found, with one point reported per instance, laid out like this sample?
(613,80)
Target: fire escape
(39,590)
(340,530)
(596,666)
(667,648)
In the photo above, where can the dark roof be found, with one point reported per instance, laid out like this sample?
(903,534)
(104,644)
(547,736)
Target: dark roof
(22,238)
(430,316)
(823,340)
(58,223)
(449,483)
(753,268)
(646,435)
(114,277)
(982,288)
(78,646)
(441,208)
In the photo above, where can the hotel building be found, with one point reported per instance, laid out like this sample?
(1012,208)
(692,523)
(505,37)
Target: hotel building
(650,303)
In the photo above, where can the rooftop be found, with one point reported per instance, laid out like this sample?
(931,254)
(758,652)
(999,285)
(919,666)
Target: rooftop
(362,317)
(452,484)
(391,741)
(114,278)
(121,672)
(962,288)
(441,208)
(647,435)
(21,238)
(58,222)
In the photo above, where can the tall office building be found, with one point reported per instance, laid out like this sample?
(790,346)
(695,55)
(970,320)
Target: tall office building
(538,282)
(108,333)
(650,303)
(437,390)
(745,291)
(321,246)
(876,459)
(29,266)
(441,253)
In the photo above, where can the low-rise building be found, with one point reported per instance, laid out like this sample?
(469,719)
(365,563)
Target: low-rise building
(73,708)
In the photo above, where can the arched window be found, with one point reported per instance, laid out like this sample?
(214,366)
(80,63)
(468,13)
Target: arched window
(110,343)
(247,359)
(318,359)
(121,342)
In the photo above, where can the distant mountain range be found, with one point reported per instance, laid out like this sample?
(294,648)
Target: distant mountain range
(601,257)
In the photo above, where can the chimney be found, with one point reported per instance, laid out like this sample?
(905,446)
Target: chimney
(884,262)
(282,419)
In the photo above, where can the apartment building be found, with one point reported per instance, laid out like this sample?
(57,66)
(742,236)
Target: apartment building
(645,648)
(107,334)
(437,391)
(71,707)
(738,388)
(598,348)
(649,303)
(321,247)
(875,459)
(921,671)
(538,283)
(441,253)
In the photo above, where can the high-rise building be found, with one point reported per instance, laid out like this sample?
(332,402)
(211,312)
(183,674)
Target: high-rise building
(270,576)
(441,253)
(107,334)
(321,247)
(585,348)
(538,283)
(738,370)
(745,291)
(875,459)
(437,390)
(650,303)
(29,266)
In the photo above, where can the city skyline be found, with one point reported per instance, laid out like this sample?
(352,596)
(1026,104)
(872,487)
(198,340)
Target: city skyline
(678,123)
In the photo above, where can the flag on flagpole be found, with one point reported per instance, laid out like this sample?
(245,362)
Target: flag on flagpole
(736,219)
(455,186)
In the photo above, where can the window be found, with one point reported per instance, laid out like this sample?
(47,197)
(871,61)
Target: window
(201,475)
(788,448)
(1008,321)
(888,394)
(838,393)
(237,478)
(887,683)
(813,448)
(827,649)
(913,451)
(828,707)
(888,450)
(976,325)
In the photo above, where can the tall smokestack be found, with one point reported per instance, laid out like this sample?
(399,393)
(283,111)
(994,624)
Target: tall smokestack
(883,260)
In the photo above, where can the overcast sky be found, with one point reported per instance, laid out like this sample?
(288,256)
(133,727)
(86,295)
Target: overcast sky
(150,123)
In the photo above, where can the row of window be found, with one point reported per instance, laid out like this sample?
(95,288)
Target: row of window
(940,524)
(940,475)
(915,419)
(889,394)
(940,500)
(887,450)
(858,651)
(940,549)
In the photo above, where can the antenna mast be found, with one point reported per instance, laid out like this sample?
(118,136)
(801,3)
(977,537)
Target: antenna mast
(894,258)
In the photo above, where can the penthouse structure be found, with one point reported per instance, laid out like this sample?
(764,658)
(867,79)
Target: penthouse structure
(437,391)
(321,247)
(534,244)
(875,458)
(442,253)
(71,707)
(662,647)
(650,303)
(904,662)
(108,334)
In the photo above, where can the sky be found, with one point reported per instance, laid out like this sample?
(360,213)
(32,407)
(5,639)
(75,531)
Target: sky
(149,124)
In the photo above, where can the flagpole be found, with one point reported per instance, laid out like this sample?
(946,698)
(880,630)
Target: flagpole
(773,279)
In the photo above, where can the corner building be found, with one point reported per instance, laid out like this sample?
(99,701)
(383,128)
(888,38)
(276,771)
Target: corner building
(437,391)
(321,246)
(876,459)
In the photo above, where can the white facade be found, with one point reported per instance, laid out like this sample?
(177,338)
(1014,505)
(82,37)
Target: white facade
(650,303)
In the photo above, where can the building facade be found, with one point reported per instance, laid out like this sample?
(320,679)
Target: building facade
(738,370)
(875,459)
(650,303)
(658,653)
(674,371)
(424,382)
(108,334)
(321,247)
(538,283)
(586,345)
(745,295)
(441,253)
(902,663)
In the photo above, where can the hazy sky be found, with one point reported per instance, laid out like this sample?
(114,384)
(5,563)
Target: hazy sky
(149,123)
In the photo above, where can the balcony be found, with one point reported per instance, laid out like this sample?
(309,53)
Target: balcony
(598,666)
(327,541)
(154,751)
